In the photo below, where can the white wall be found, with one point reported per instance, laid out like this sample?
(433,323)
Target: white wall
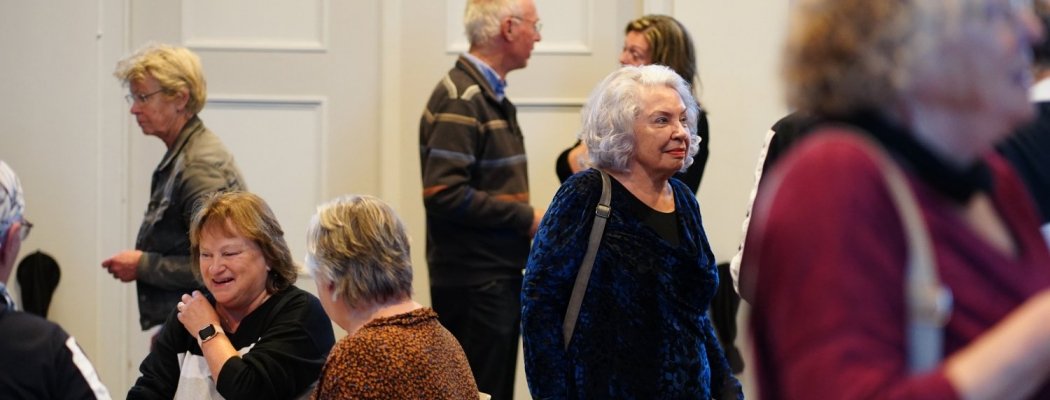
(737,45)
(66,133)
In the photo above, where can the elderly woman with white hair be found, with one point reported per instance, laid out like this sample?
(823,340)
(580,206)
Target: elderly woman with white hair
(892,254)
(358,254)
(641,330)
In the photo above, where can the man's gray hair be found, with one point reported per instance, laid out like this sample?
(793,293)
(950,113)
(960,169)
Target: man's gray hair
(12,203)
(482,18)
(608,116)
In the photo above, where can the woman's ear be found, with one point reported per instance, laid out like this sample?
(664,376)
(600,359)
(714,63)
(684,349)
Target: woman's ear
(182,98)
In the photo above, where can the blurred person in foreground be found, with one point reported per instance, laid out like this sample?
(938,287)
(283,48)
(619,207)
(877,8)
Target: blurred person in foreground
(167,91)
(256,335)
(358,254)
(654,39)
(1028,149)
(38,359)
(933,85)
(476,191)
(642,331)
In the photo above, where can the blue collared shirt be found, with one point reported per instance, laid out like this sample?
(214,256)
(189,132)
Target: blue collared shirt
(498,84)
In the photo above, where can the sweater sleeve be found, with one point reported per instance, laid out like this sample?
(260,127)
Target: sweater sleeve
(829,316)
(288,357)
(550,274)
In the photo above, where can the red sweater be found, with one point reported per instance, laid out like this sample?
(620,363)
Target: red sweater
(828,320)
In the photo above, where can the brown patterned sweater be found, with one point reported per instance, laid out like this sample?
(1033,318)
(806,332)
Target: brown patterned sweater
(406,356)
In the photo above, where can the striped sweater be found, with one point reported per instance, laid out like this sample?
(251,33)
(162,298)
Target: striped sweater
(475,183)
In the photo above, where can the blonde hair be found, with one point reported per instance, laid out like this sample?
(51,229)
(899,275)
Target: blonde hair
(360,245)
(174,67)
(669,44)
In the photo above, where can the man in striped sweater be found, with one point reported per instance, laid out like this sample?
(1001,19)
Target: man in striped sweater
(476,191)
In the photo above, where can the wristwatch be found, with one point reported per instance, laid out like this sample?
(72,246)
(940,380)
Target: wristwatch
(207,333)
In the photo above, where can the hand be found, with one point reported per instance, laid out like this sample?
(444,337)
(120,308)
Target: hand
(195,313)
(124,265)
(537,216)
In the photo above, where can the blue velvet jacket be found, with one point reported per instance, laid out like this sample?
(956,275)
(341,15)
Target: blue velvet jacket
(643,331)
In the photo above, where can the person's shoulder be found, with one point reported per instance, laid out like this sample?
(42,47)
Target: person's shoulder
(832,159)
(293,298)
(294,295)
(583,183)
(202,137)
(30,327)
(680,189)
(457,81)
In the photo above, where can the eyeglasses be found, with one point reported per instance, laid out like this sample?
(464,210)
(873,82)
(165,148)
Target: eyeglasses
(536,25)
(23,230)
(139,98)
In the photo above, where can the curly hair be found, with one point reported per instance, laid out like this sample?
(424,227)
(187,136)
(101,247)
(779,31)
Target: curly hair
(842,56)
(608,116)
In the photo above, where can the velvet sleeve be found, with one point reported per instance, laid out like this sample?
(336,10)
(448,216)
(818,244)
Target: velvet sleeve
(288,357)
(724,385)
(550,273)
(829,314)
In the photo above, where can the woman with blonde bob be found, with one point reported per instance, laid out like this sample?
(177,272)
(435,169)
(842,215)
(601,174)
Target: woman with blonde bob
(917,92)
(642,331)
(255,335)
(358,254)
(166,91)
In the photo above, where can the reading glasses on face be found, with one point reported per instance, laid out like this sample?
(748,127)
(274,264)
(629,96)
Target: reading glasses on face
(140,98)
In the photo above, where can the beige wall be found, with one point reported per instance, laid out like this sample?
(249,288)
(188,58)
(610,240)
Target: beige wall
(85,167)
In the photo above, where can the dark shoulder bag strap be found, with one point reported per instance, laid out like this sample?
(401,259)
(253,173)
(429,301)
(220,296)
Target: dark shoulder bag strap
(601,214)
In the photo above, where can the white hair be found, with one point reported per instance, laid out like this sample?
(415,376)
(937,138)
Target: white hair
(482,18)
(12,202)
(608,116)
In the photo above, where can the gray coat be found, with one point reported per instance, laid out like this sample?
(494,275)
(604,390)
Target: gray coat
(197,164)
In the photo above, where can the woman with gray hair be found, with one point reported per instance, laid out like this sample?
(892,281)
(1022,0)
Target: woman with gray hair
(641,331)
(892,254)
(358,254)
